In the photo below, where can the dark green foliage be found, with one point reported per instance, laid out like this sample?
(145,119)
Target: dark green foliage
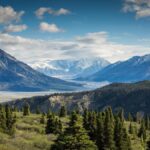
(100,132)
(130,118)
(38,110)
(147,122)
(109,130)
(26,109)
(142,131)
(131,129)
(63,111)
(148,145)
(43,119)
(50,126)
(74,137)
(121,137)
(7,120)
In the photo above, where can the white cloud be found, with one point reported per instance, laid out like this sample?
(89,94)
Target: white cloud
(140,7)
(43,10)
(90,45)
(15,28)
(8,15)
(45,27)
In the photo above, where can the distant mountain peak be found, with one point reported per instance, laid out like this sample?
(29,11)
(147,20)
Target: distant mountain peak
(17,76)
(134,69)
(71,68)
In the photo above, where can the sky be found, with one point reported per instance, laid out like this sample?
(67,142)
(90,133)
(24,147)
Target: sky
(39,30)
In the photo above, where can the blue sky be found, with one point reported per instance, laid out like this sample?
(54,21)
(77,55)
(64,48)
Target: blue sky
(123,27)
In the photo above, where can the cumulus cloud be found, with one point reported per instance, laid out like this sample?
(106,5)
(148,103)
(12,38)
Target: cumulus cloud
(43,10)
(8,15)
(45,27)
(90,45)
(140,7)
(15,28)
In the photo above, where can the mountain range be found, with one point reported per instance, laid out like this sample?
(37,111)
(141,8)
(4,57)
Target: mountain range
(17,76)
(134,69)
(69,69)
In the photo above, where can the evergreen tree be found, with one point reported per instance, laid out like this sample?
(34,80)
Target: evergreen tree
(142,131)
(130,118)
(58,126)
(109,131)
(74,138)
(147,122)
(100,132)
(85,119)
(121,115)
(131,129)
(63,111)
(2,119)
(10,121)
(42,119)
(26,109)
(38,110)
(50,126)
(121,137)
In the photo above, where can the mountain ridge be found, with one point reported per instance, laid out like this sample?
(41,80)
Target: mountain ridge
(17,76)
(134,69)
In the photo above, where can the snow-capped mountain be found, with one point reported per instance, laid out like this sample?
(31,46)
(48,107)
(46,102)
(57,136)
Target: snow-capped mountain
(70,69)
(17,76)
(135,69)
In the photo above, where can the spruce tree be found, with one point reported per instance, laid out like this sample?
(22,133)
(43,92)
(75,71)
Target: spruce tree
(147,122)
(142,131)
(75,137)
(26,109)
(100,132)
(10,121)
(63,111)
(50,126)
(38,110)
(131,129)
(42,119)
(109,131)
(2,119)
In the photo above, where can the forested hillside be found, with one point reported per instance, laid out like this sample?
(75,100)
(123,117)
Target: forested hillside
(63,130)
(134,97)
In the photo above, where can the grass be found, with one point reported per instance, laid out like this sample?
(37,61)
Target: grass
(30,135)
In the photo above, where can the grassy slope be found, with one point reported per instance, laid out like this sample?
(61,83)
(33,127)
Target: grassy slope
(30,135)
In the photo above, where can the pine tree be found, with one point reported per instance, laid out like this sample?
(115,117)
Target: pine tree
(38,110)
(142,131)
(58,126)
(10,121)
(121,137)
(121,115)
(131,129)
(42,119)
(75,137)
(100,132)
(50,126)
(85,119)
(26,109)
(109,131)
(147,122)
(2,119)
(63,111)
(130,118)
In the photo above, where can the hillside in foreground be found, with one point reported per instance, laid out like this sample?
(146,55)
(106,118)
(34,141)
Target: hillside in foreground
(32,132)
